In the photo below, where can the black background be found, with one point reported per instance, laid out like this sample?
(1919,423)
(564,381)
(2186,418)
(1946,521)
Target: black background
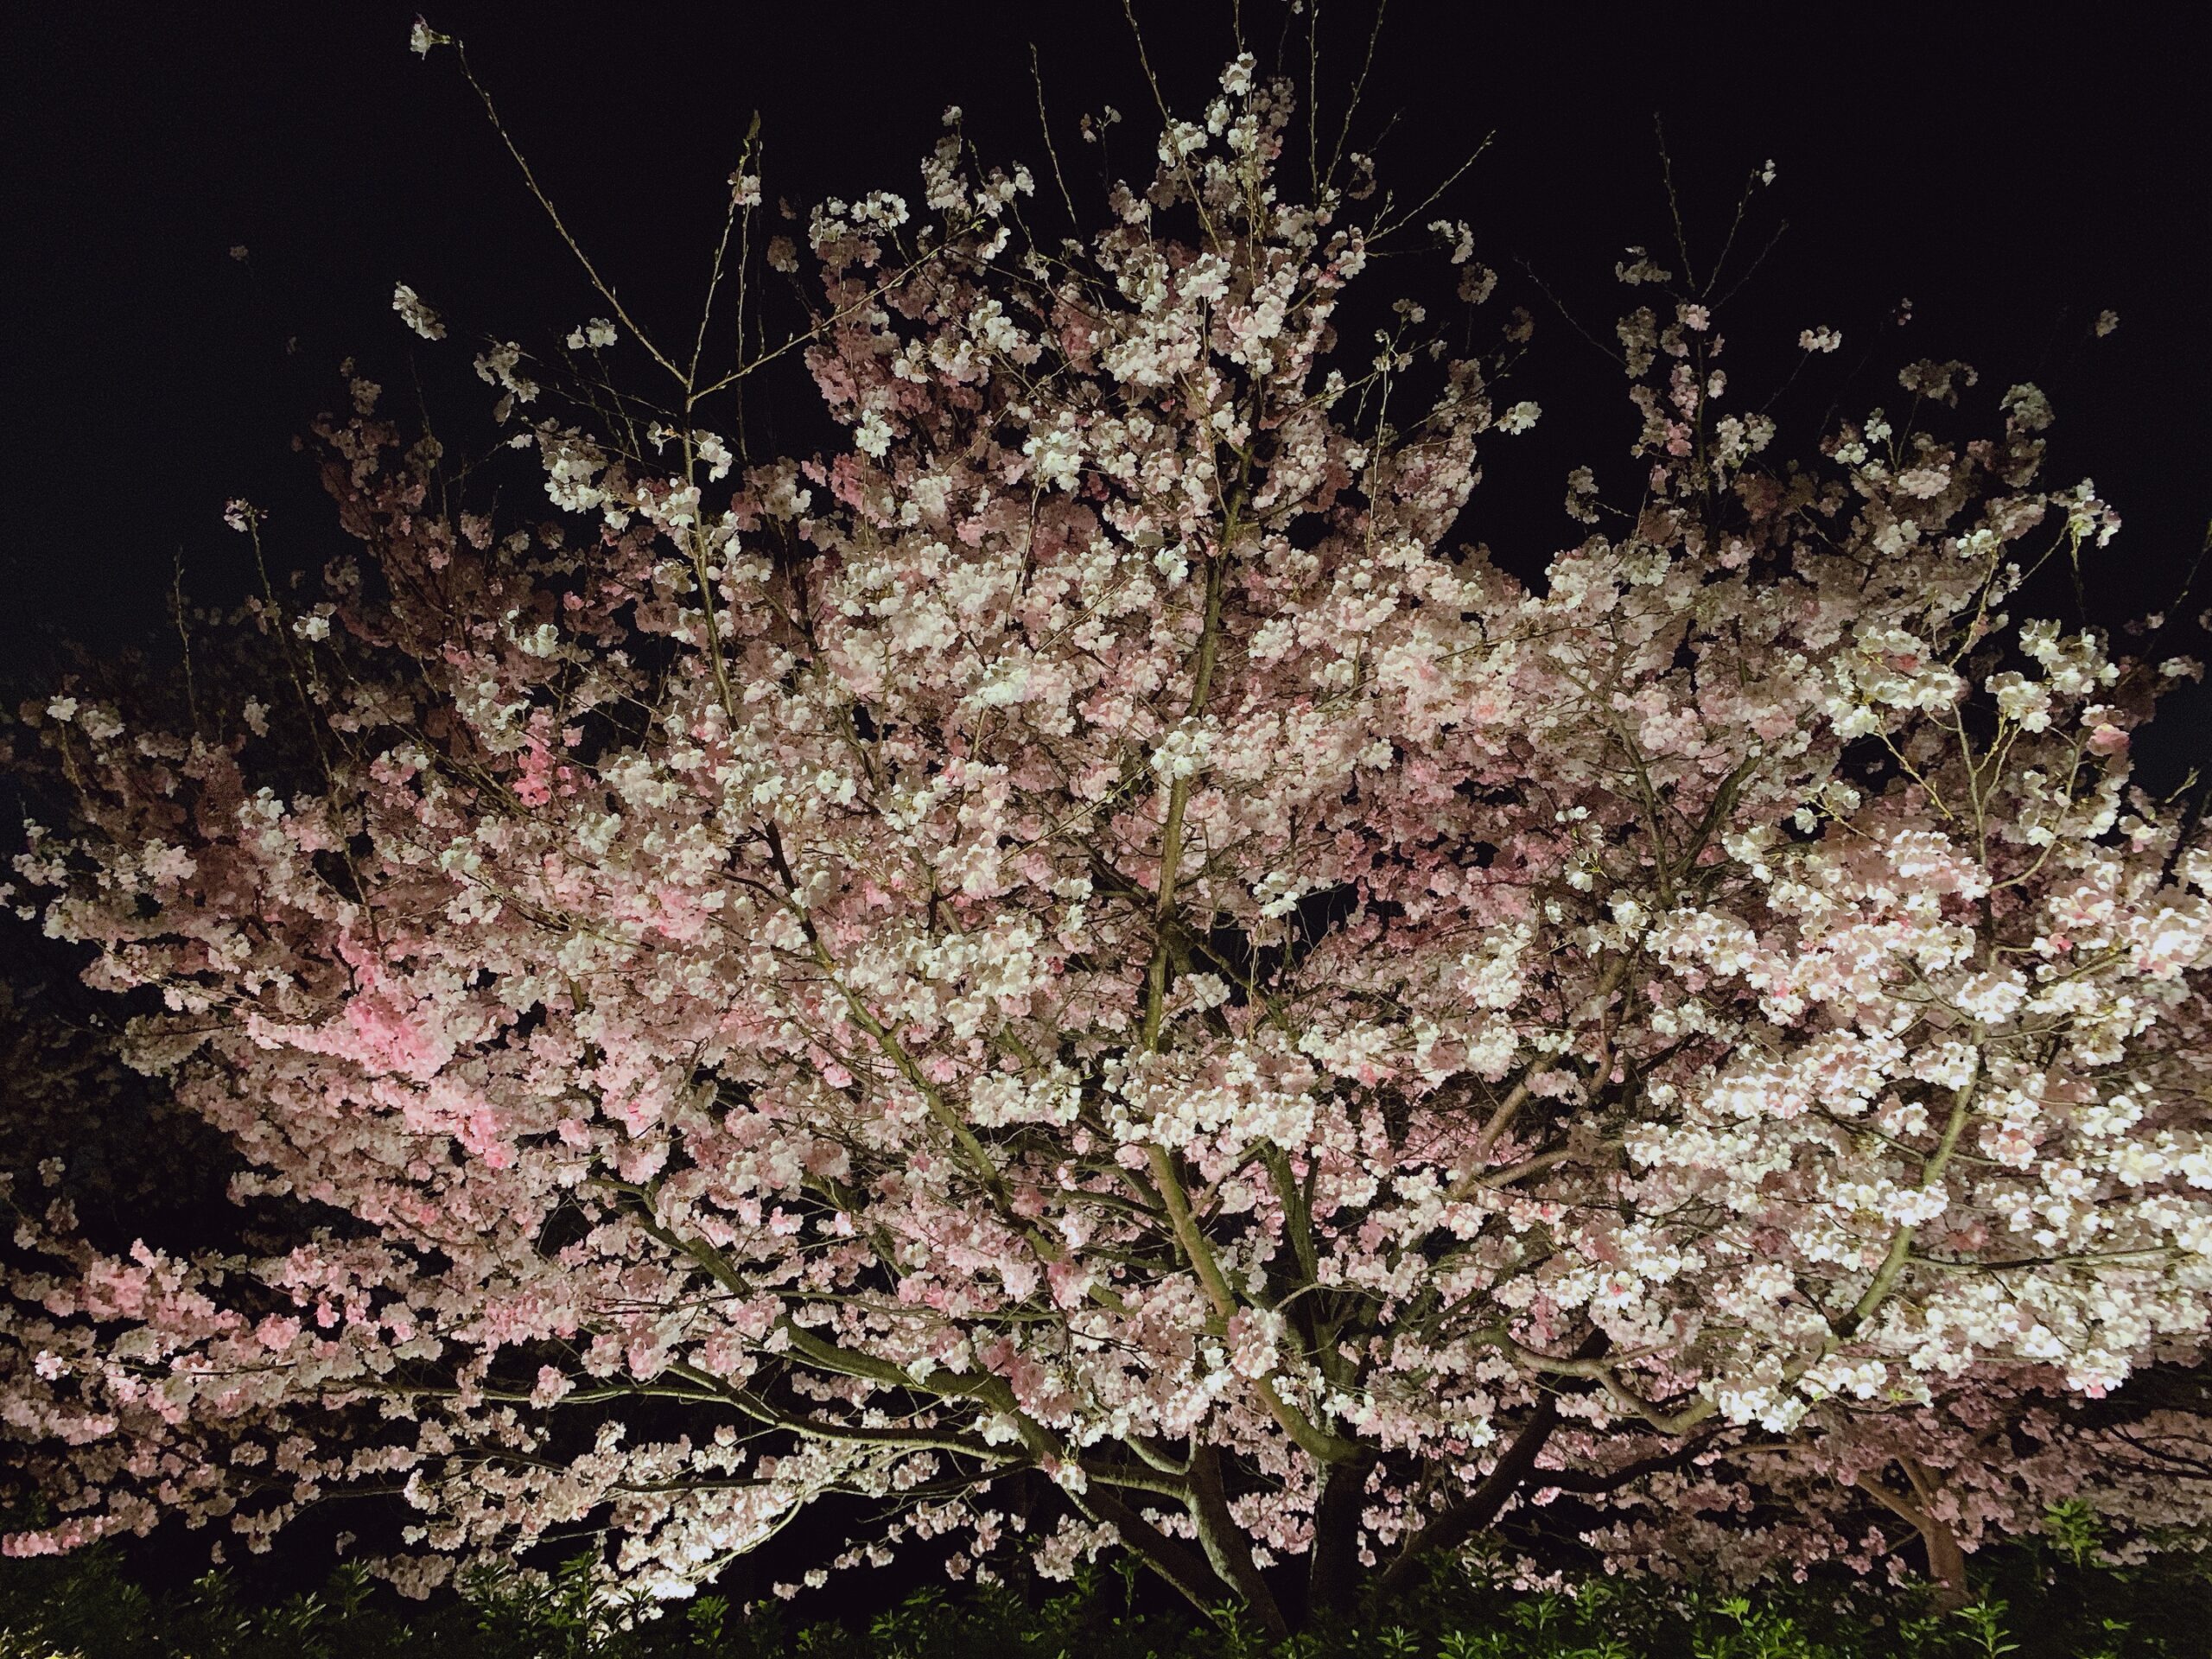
(2012,180)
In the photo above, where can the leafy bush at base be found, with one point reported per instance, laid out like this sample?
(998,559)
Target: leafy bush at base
(2042,1602)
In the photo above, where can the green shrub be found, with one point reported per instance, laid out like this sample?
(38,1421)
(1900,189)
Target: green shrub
(2050,1600)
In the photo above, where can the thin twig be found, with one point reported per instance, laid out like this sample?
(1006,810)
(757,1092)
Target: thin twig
(745,165)
(1044,126)
(605,292)
(184,634)
(1359,89)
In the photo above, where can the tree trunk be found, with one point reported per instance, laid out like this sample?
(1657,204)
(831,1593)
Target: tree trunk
(1170,1559)
(1223,1541)
(1333,1569)
(1946,1562)
(1481,1507)
(1478,1509)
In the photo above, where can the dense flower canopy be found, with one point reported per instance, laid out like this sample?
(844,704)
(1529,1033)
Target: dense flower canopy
(1084,969)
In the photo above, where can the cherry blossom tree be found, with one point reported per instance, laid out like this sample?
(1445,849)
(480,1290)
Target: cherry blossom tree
(1091,971)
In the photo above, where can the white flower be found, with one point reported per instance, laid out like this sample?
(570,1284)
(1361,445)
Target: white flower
(1461,236)
(1615,1289)
(594,335)
(1005,684)
(1991,997)
(1519,418)
(1056,457)
(1184,751)
(1819,340)
(1581,492)
(497,368)
(416,314)
(1206,990)
(1255,1334)
(2021,699)
(2029,408)
(62,708)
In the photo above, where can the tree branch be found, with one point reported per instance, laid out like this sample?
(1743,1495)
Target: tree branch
(1183,1568)
(1481,1507)
(1223,1541)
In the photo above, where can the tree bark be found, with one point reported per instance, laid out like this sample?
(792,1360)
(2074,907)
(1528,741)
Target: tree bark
(1331,1569)
(1223,1541)
(1480,1507)
(1183,1568)
(1946,1562)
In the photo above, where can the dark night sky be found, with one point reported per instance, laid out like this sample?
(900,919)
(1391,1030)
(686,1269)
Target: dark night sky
(2013,180)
